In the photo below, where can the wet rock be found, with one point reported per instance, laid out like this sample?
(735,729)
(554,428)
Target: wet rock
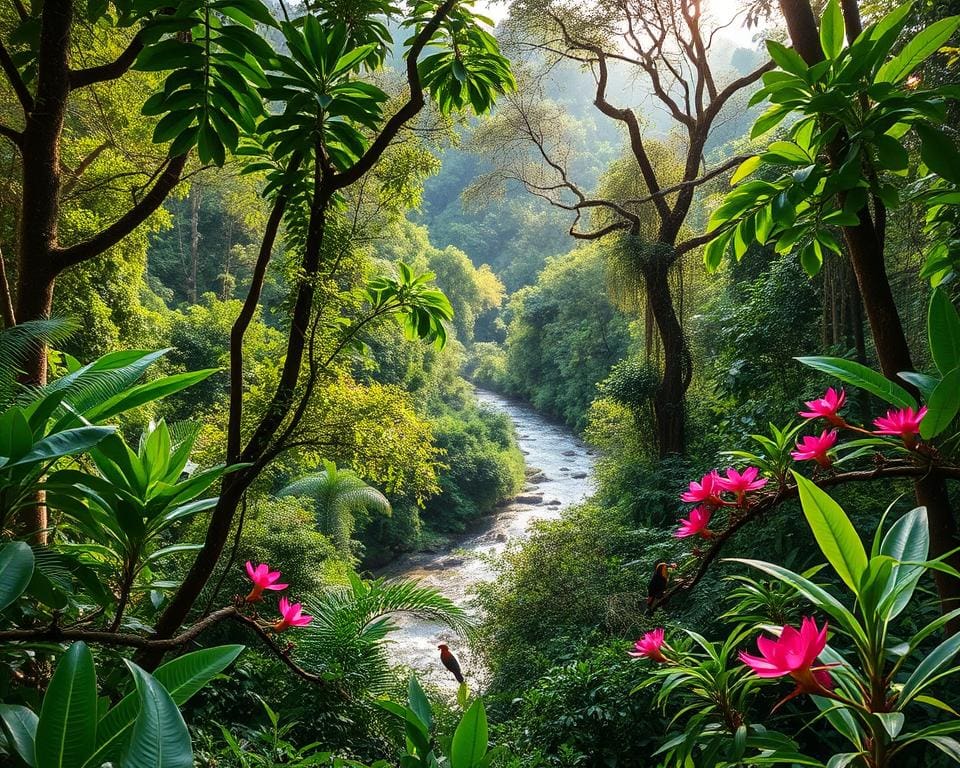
(452,562)
(590,453)
(528,498)
(554,503)
(579,475)
(569,453)
(530,471)
(525,453)
(530,488)
(564,469)
(501,537)
(539,478)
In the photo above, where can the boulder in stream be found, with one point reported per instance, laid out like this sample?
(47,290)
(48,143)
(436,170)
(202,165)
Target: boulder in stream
(569,453)
(528,498)
(579,475)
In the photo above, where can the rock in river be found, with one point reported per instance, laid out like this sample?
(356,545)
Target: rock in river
(528,498)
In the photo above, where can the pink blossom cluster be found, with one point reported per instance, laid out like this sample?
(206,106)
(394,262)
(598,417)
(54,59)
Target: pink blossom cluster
(708,494)
(291,614)
(903,423)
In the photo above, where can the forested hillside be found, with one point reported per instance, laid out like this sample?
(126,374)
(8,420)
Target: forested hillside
(458,384)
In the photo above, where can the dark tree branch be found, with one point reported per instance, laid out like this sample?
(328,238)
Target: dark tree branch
(15,137)
(410,108)
(80,78)
(239,329)
(626,116)
(770,501)
(16,81)
(57,634)
(21,10)
(6,298)
(702,179)
(737,85)
(88,249)
(119,639)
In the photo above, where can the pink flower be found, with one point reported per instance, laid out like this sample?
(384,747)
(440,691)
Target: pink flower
(708,489)
(816,448)
(793,654)
(905,423)
(291,616)
(827,407)
(740,483)
(696,523)
(649,646)
(262,578)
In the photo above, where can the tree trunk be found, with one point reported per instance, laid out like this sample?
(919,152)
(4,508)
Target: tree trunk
(669,400)
(194,243)
(865,250)
(41,177)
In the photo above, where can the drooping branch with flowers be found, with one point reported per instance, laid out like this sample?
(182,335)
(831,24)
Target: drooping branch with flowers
(908,440)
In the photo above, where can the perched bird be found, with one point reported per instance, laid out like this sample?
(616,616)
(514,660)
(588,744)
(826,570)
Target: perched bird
(658,582)
(450,662)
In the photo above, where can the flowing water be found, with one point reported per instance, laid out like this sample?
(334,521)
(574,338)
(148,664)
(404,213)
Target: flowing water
(559,474)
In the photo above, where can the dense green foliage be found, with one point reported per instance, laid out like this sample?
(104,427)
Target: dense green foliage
(256,257)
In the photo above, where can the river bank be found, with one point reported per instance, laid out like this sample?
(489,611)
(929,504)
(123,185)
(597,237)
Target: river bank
(559,474)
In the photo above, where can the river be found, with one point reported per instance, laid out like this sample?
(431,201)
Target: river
(559,474)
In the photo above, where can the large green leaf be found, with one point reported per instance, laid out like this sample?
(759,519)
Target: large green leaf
(69,442)
(926,42)
(419,704)
(16,570)
(182,677)
(67,731)
(860,376)
(943,406)
(147,393)
(160,738)
(908,540)
(832,30)
(943,332)
(835,534)
(927,670)
(469,743)
(20,727)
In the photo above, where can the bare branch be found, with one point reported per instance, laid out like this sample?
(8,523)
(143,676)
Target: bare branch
(115,69)
(88,249)
(15,137)
(16,81)
(702,179)
(82,167)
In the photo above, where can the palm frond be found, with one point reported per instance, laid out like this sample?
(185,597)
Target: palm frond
(20,341)
(352,624)
(102,379)
(338,494)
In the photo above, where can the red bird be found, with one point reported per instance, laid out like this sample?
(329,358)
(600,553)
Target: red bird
(450,662)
